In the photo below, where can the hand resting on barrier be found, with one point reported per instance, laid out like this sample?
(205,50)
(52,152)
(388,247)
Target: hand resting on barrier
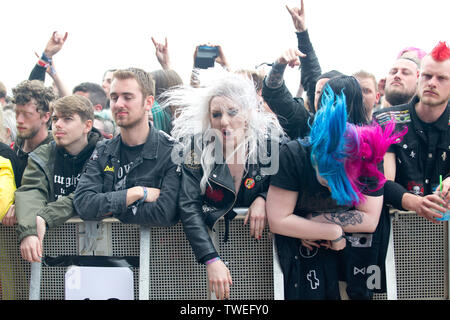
(257,215)
(31,247)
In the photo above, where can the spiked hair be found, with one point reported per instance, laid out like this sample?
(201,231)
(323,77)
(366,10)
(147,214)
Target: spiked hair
(441,52)
(343,153)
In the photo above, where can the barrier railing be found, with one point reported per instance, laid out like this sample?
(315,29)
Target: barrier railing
(417,263)
(421,250)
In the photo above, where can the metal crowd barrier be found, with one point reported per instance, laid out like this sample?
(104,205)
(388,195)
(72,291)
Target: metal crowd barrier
(416,266)
(167,267)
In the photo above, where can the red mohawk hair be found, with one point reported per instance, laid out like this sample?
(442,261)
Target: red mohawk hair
(441,52)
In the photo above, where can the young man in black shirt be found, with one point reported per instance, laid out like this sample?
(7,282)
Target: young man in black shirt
(53,171)
(131,177)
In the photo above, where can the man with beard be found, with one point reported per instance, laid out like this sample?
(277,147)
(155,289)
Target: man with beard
(32,101)
(131,176)
(401,82)
(415,165)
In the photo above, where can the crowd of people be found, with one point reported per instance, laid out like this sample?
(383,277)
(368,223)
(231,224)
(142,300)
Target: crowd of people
(320,167)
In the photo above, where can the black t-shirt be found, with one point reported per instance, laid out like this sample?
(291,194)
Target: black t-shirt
(67,172)
(128,156)
(296,173)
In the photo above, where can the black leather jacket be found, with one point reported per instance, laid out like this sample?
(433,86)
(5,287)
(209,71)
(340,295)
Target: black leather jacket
(200,212)
(95,197)
(420,157)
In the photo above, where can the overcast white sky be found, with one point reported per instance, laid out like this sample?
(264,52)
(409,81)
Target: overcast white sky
(348,35)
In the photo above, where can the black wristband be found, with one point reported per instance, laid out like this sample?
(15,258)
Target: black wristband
(338,239)
(45,58)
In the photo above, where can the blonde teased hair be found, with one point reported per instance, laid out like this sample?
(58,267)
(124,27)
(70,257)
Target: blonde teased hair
(193,119)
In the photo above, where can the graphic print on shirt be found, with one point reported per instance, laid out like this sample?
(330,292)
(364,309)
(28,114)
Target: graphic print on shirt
(314,282)
(307,253)
(121,179)
(64,186)
(415,188)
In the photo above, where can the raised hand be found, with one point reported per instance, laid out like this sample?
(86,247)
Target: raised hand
(290,57)
(298,17)
(221,59)
(162,53)
(55,44)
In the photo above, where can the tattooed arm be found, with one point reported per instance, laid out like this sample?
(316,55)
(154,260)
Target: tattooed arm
(280,205)
(290,111)
(363,218)
(275,78)
(290,57)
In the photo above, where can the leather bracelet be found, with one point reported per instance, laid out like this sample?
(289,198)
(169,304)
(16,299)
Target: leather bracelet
(338,239)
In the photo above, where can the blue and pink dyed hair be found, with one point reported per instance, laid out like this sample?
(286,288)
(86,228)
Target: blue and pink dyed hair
(344,152)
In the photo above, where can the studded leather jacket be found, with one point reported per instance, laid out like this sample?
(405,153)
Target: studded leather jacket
(422,155)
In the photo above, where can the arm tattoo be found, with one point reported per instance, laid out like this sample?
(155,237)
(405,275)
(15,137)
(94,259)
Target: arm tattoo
(343,219)
(275,78)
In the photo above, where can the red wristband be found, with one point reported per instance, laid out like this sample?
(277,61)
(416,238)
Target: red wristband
(42,63)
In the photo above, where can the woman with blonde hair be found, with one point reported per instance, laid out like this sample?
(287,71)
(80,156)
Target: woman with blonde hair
(230,149)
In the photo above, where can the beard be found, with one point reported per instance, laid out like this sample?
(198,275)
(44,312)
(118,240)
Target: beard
(127,124)
(29,134)
(396,97)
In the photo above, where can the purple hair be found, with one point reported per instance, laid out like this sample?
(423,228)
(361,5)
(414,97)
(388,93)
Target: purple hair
(420,53)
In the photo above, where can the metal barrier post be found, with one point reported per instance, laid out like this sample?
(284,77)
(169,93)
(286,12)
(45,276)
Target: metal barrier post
(144,263)
(278,278)
(448,260)
(391,277)
(35,281)
(215,241)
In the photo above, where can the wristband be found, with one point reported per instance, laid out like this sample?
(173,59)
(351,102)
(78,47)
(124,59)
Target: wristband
(338,239)
(212,260)
(42,63)
(142,200)
(46,59)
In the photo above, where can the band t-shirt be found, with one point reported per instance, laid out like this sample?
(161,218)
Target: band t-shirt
(68,169)
(128,157)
